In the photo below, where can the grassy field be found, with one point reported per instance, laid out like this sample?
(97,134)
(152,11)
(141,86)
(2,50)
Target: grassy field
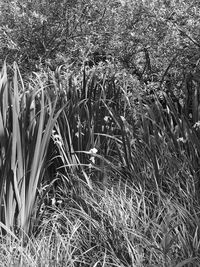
(92,173)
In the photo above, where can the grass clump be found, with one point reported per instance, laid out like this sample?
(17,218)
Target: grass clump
(120,226)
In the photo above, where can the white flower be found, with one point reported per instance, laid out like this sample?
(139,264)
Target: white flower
(197,125)
(90,166)
(106,118)
(93,150)
(77,134)
(92,159)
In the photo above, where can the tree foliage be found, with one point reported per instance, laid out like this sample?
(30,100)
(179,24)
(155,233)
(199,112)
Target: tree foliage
(147,38)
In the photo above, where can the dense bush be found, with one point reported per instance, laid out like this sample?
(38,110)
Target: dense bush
(148,38)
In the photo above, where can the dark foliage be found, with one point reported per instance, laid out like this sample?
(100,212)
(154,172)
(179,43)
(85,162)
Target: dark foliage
(95,58)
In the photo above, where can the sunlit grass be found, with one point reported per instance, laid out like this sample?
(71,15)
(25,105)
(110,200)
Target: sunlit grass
(120,226)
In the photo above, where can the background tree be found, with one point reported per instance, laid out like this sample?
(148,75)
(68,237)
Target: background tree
(146,38)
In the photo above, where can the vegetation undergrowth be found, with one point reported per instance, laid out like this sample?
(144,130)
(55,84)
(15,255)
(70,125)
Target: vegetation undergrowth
(93,174)
(120,226)
(99,133)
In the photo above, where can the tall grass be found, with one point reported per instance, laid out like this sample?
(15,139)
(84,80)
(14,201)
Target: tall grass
(121,226)
(89,179)
(27,120)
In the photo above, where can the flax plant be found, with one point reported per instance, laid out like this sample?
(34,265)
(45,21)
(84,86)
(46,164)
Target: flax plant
(82,127)
(168,126)
(26,123)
